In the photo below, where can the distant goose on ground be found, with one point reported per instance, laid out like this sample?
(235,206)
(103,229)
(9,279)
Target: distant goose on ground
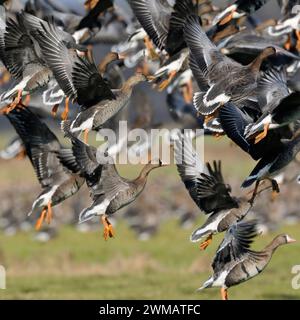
(235,262)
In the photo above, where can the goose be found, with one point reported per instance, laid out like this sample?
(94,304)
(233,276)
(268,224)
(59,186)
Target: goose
(98,102)
(272,91)
(163,21)
(273,163)
(288,111)
(54,95)
(246,45)
(54,166)
(237,10)
(90,20)
(21,56)
(235,121)
(235,262)
(207,188)
(110,192)
(58,49)
(221,79)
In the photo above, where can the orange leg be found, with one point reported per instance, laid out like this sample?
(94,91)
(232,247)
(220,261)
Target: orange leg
(274,195)
(54,110)
(149,46)
(224,294)
(275,190)
(206,243)
(108,229)
(86,136)
(19,96)
(5,77)
(12,106)
(288,44)
(22,154)
(218,135)
(227,19)
(49,213)
(41,219)
(262,135)
(208,118)
(64,115)
(166,82)
(90,4)
(298,39)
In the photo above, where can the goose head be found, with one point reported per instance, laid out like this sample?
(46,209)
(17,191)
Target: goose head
(283,239)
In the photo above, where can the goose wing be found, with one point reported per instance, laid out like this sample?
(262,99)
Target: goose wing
(236,244)
(88,83)
(41,146)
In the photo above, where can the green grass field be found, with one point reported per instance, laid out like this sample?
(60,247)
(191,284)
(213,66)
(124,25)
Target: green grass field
(84,266)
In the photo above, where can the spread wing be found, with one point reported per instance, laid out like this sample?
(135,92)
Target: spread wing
(154,18)
(236,244)
(41,146)
(19,47)
(90,86)
(213,194)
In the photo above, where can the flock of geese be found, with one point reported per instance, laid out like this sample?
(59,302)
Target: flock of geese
(247,76)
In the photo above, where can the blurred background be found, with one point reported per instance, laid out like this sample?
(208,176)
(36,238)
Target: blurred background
(151,256)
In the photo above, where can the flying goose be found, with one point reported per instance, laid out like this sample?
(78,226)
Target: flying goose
(98,101)
(273,163)
(21,56)
(221,78)
(237,10)
(109,191)
(235,262)
(163,21)
(207,188)
(54,166)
